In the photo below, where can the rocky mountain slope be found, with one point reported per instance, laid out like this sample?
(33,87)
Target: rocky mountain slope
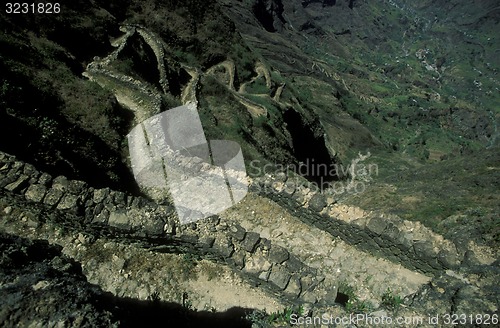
(400,98)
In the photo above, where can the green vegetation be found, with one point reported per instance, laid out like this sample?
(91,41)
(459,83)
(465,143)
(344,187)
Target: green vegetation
(224,117)
(419,93)
(154,297)
(221,113)
(277,78)
(187,266)
(435,194)
(348,297)
(390,300)
(211,271)
(257,87)
(187,304)
(245,60)
(398,96)
(263,319)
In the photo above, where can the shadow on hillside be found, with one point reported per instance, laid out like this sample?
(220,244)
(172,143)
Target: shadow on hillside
(138,313)
(30,261)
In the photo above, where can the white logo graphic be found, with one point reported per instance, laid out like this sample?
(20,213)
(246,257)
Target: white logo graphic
(170,154)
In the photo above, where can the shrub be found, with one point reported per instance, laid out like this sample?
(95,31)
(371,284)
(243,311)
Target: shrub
(264,319)
(390,300)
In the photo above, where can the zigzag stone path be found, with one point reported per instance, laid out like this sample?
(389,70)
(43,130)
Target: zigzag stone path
(261,249)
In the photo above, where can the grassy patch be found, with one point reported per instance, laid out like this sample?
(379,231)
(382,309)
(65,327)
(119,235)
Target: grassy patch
(391,300)
(187,266)
(257,87)
(346,296)
(275,319)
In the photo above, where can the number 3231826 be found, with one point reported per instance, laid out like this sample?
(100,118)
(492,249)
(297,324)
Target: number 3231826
(32,8)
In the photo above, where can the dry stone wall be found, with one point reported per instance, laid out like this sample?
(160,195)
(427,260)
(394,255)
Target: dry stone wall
(257,258)
(134,219)
(409,243)
(156,226)
(388,236)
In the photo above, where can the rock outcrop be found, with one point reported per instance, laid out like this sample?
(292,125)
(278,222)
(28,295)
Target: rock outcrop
(133,219)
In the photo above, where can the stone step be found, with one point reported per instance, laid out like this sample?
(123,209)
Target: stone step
(135,219)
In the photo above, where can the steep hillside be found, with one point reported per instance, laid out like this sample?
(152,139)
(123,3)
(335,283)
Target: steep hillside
(369,131)
(422,83)
(414,82)
(65,104)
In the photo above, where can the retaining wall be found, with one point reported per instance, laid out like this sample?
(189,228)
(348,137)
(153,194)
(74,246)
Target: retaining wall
(157,227)
(409,243)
